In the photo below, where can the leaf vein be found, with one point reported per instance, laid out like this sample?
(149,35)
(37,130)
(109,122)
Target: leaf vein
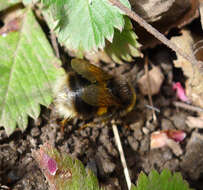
(35,76)
(11,74)
(25,92)
(40,61)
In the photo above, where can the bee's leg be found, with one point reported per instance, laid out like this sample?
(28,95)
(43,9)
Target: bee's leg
(102,119)
(90,124)
(93,123)
(62,124)
(127,127)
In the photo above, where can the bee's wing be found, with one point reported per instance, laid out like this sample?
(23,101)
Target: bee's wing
(98,95)
(89,71)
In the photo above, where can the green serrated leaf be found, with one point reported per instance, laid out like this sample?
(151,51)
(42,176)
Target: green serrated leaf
(125,45)
(27,73)
(4,4)
(163,181)
(27,2)
(83,25)
(70,174)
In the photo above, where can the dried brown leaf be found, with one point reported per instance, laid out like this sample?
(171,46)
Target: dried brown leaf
(195,122)
(155,78)
(194,84)
(201,11)
(168,138)
(168,14)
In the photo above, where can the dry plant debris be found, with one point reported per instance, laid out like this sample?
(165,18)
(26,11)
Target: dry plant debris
(180,92)
(168,138)
(168,14)
(156,79)
(194,84)
(201,11)
(195,122)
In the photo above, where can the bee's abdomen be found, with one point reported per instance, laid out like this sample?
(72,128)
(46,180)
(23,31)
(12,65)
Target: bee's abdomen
(121,90)
(77,84)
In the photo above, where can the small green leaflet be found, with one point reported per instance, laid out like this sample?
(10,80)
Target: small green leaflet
(28,69)
(27,2)
(83,25)
(125,45)
(164,181)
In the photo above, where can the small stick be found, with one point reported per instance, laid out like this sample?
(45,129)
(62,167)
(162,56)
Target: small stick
(187,106)
(149,90)
(123,161)
(153,31)
(153,108)
(2,187)
(54,44)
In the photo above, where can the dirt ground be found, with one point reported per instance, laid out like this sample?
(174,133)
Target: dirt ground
(95,146)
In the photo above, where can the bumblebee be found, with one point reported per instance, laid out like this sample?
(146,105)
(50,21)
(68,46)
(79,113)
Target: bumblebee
(87,91)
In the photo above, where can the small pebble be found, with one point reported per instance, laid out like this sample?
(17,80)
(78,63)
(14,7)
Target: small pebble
(145,130)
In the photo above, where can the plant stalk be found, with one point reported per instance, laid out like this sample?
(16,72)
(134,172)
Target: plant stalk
(153,31)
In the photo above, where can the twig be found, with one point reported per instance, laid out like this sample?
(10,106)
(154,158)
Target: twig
(54,44)
(4,187)
(123,161)
(149,90)
(187,106)
(153,108)
(153,31)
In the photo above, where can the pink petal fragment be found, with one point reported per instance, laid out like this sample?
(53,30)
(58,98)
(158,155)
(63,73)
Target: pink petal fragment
(50,164)
(158,140)
(176,135)
(180,92)
(161,138)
